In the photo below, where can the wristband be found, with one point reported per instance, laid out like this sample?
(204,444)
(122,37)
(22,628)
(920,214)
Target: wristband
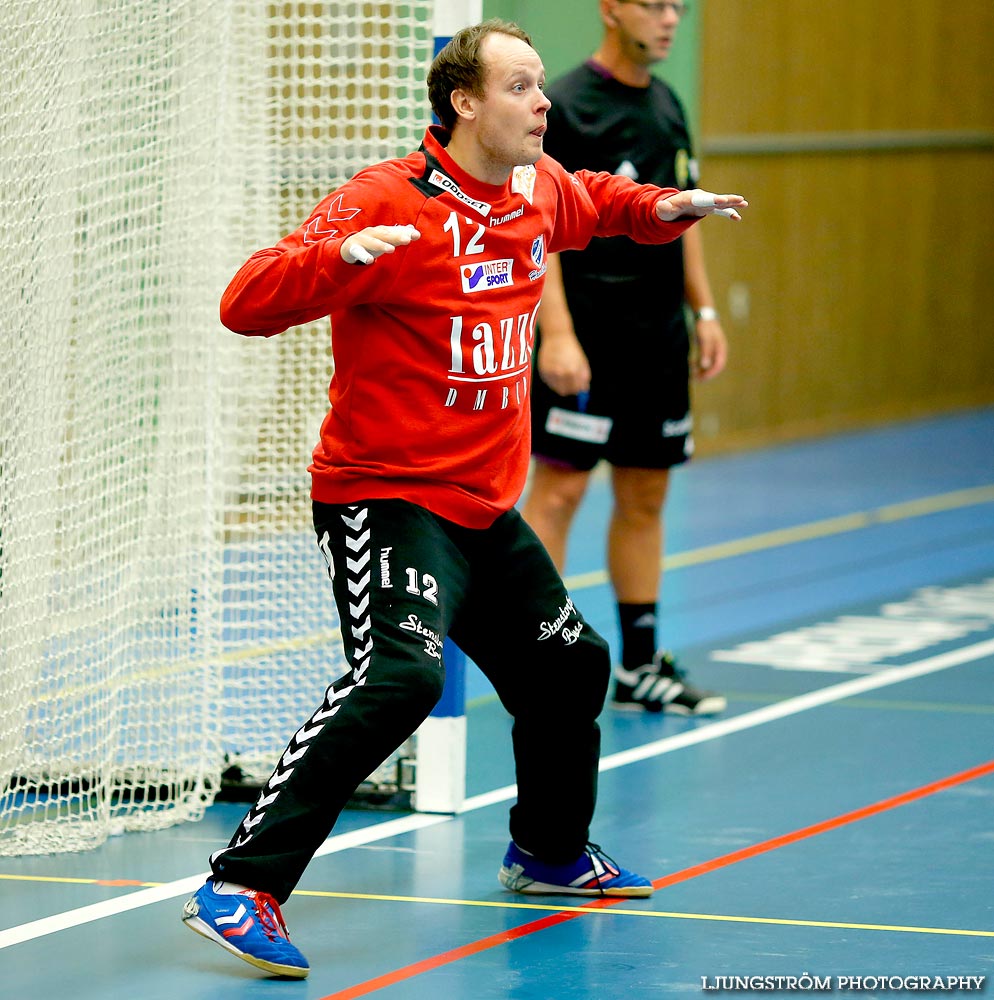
(706,313)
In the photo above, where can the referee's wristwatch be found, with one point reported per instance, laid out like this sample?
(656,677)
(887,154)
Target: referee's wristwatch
(706,313)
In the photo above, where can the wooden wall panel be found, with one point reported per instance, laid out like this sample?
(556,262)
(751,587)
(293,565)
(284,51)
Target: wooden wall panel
(795,65)
(856,290)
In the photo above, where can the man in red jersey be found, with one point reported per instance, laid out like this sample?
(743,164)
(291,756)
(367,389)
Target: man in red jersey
(431,268)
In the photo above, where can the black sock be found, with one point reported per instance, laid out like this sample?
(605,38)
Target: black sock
(638,634)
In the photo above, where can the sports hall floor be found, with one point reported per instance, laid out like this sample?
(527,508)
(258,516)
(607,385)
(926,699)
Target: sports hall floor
(837,821)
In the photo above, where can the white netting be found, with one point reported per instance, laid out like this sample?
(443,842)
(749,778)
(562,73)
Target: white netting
(163,609)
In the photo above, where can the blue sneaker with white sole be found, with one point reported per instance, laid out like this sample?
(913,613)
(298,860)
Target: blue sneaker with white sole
(250,925)
(592,874)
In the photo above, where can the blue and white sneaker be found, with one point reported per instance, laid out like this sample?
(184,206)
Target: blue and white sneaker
(592,874)
(250,925)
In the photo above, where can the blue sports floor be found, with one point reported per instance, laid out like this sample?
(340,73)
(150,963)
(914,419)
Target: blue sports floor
(837,822)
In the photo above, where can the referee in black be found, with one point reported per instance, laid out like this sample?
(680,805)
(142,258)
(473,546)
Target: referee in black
(613,359)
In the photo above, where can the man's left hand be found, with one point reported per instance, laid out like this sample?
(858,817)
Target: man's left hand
(700,203)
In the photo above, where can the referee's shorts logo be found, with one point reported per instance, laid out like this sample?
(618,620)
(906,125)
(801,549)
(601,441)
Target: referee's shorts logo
(677,428)
(578,426)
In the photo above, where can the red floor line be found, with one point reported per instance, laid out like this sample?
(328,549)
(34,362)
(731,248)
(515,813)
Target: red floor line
(829,824)
(427,964)
(524,930)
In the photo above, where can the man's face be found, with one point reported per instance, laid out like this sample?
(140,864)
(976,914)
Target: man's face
(511,117)
(646,29)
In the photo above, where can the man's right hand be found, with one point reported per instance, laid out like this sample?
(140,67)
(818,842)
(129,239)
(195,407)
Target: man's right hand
(562,364)
(366,245)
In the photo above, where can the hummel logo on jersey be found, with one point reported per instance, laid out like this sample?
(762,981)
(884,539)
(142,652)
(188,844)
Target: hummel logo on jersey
(501,219)
(487,275)
(323,227)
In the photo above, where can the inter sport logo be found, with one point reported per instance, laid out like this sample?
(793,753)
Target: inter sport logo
(487,275)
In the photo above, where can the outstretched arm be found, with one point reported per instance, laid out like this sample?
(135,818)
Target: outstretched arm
(314,269)
(596,203)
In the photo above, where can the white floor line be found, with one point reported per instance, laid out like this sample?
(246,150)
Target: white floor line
(418,821)
(801,703)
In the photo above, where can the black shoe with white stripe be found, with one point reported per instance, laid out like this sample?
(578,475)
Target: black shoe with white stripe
(660,686)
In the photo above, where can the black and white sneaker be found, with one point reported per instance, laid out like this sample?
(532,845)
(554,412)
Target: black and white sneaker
(660,686)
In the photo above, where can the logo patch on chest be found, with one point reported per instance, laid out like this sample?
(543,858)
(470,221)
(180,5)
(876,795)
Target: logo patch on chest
(487,275)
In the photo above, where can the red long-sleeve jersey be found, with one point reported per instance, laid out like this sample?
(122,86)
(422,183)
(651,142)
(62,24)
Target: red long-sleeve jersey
(432,343)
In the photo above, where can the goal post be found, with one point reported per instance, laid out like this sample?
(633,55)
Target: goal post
(165,616)
(441,741)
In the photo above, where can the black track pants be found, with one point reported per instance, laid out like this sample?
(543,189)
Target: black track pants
(403,580)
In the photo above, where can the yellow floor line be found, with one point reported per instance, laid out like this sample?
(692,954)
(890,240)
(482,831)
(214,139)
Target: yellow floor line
(669,915)
(807,532)
(548,907)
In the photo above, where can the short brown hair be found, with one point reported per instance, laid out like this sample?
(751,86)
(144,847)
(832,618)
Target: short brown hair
(459,66)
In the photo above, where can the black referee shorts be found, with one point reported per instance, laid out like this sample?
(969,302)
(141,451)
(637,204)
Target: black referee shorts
(637,413)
